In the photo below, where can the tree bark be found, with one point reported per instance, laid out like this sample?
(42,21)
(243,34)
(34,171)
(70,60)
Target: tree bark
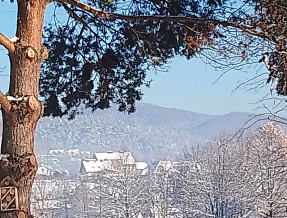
(20,118)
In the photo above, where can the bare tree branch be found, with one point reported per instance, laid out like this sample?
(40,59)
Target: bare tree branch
(7,43)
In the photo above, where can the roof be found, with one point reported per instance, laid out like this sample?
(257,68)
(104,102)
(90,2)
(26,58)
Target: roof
(141,165)
(125,156)
(73,151)
(54,151)
(94,166)
(91,166)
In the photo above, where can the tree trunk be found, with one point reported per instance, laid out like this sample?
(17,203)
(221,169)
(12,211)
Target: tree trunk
(19,122)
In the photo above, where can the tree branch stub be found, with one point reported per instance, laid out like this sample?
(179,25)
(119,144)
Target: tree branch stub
(33,103)
(9,45)
(4,102)
(30,53)
(32,161)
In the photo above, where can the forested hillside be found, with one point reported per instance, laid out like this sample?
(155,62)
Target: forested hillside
(151,132)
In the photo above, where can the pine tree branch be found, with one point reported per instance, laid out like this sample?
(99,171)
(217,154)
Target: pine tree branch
(72,13)
(4,102)
(7,43)
(250,29)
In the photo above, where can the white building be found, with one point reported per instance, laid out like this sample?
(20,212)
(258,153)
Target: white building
(113,163)
(90,167)
(125,156)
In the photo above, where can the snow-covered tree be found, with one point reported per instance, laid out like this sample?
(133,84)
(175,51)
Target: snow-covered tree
(52,196)
(267,152)
(216,181)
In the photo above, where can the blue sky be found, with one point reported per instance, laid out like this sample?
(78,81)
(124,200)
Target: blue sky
(186,85)
(193,85)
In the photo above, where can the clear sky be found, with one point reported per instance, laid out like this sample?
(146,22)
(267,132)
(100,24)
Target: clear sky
(186,85)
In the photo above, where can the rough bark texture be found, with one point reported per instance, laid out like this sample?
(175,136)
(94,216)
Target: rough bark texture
(19,122)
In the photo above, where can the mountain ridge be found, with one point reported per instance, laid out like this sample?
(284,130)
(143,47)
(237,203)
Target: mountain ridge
(150,132)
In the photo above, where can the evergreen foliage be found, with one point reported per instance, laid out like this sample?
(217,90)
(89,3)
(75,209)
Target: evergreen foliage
(94,61)
(98,60)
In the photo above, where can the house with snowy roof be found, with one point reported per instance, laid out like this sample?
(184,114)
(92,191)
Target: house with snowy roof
(164,166)
(112,163)
(91,167)
(142,168)
(125,156)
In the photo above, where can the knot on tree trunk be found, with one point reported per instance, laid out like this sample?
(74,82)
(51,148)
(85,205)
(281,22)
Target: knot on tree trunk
(33,54)
(25,110)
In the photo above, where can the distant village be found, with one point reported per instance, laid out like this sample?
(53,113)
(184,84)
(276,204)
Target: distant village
(106,175)
(223,178)
(58,163)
